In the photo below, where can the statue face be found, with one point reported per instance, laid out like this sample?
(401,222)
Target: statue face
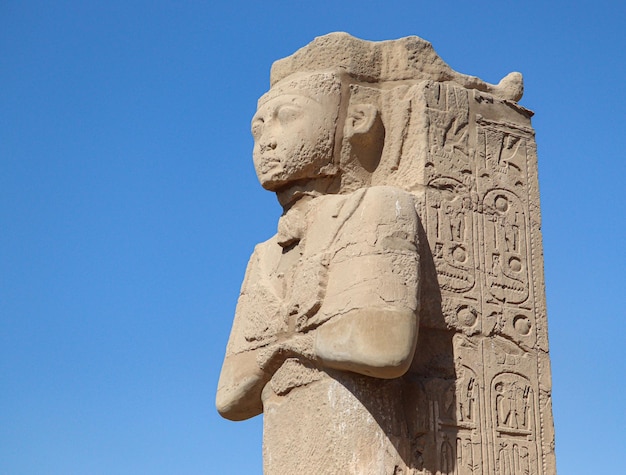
(294,138)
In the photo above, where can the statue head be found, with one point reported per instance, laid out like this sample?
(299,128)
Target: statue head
(294,130)
(320,127)
(304,125)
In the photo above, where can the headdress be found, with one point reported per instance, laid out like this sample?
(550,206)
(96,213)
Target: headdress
(405,59)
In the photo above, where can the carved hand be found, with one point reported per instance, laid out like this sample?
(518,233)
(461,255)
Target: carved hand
(273,356)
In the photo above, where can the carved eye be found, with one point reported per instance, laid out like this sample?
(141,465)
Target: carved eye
(288,113)
(257,127)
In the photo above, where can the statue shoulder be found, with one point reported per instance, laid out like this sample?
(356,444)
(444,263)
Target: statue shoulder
(375,198)
(383,196)
(385,205)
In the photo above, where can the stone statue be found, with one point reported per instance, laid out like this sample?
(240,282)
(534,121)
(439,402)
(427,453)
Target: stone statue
(391,325)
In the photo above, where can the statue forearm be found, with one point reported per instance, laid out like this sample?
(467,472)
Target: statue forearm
(240,385)
(245,374)
(376,342)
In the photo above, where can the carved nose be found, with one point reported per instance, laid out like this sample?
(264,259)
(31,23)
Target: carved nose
(268,145)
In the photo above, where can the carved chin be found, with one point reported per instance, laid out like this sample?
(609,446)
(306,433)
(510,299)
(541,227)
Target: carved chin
(272,185)
(275,179)
(275,175)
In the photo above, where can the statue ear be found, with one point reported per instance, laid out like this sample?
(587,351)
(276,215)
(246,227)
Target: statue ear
(360,119)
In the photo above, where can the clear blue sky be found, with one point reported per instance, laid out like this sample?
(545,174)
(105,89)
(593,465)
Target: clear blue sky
(129,208)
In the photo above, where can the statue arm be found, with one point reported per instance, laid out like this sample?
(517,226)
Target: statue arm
(240,385)
(370,306)
(376,342)
(372,292)
(242,378)
(245,374)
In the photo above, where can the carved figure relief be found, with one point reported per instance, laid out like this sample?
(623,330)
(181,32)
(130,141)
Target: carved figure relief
(467,397)
(513,408)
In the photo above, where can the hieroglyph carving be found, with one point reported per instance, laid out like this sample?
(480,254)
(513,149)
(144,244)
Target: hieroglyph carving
(395,324)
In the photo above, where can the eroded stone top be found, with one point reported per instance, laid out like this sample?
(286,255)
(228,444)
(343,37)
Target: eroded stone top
(410,58)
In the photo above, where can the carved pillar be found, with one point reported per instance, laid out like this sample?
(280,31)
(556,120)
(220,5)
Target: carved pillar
(487,410)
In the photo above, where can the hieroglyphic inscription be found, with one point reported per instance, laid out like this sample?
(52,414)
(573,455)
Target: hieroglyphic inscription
(448,131)
(502,153)
(505,247)
(513,406)
(477,219)
(451,209)
(450,225)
